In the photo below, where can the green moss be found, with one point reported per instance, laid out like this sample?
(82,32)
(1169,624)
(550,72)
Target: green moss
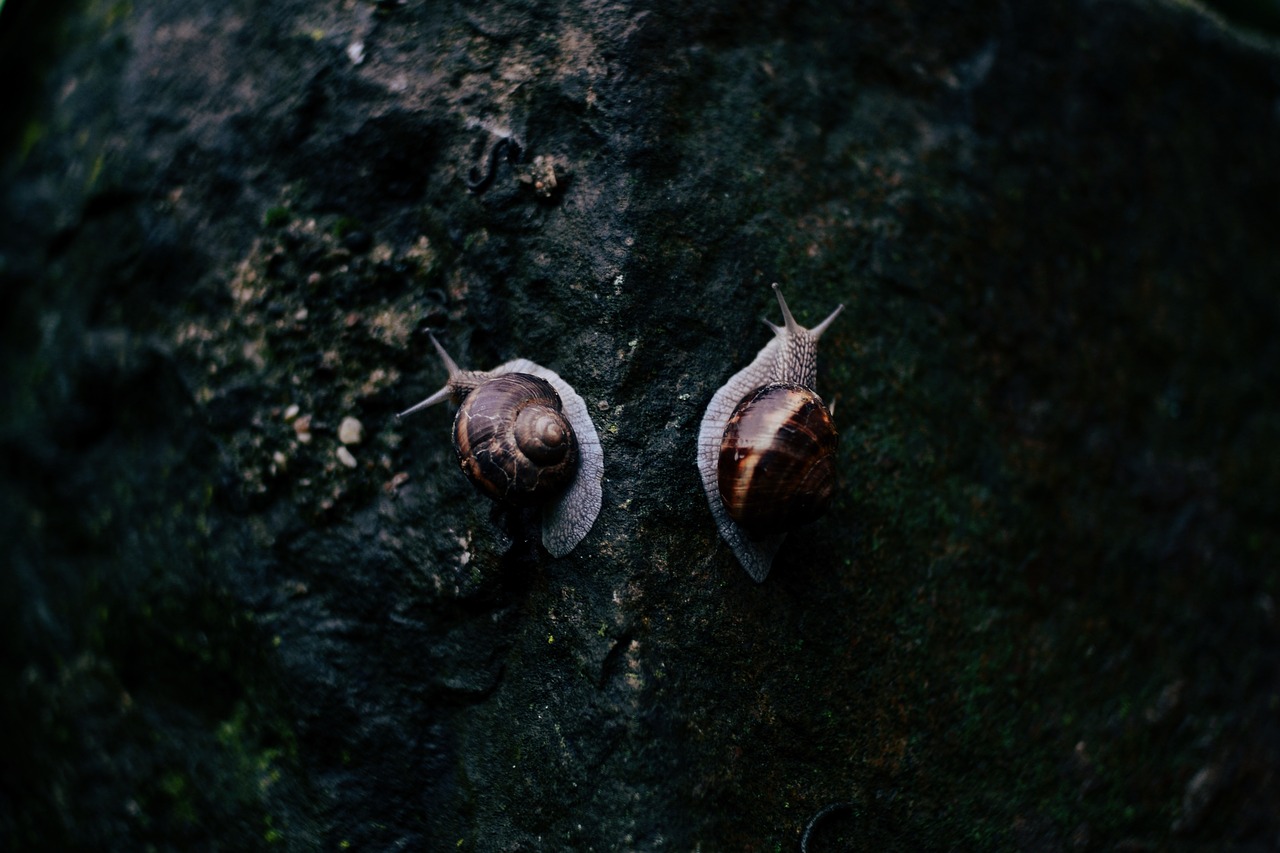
(344,225)
(32,132)
(277,217)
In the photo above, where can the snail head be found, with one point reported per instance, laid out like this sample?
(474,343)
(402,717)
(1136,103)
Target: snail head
(459,384)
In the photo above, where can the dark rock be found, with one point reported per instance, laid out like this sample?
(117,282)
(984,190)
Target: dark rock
(1039,613)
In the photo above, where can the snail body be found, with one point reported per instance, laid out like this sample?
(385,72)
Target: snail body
(523,438)
(766,446)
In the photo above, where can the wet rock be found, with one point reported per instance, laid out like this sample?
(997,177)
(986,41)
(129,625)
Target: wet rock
(220,233)
(1199,797)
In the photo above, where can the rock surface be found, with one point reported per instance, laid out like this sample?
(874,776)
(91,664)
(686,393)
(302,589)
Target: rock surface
(1041,614)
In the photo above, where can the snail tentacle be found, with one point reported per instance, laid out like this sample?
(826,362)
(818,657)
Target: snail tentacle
(459,384)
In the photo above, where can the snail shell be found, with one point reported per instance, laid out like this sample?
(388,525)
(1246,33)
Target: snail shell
(513,440)
(524,438)
(766,447)
(777,466)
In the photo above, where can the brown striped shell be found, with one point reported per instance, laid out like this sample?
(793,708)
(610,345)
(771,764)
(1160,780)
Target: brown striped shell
(776,467)
(513,440)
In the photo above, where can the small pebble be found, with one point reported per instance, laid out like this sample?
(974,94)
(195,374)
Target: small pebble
(350,431)
(345,457)
(302,428)
(291,412)
(392,486)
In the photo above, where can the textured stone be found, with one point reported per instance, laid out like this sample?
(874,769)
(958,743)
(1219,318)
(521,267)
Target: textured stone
(1053,229)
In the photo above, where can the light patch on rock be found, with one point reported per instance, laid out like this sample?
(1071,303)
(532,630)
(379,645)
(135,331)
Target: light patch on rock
(345,457)
(350,431)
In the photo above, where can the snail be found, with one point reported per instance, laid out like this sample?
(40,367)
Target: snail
(766,447)
(524,439)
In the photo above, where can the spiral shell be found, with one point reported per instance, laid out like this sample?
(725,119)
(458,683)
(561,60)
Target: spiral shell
(521,412)
(514,442)
(791,357)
